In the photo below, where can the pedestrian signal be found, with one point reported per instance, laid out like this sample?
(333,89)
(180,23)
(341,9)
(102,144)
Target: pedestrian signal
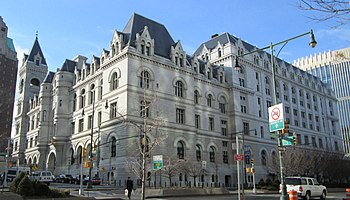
(252,161)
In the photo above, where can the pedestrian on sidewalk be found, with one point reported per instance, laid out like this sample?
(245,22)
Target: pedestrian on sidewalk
(129,186)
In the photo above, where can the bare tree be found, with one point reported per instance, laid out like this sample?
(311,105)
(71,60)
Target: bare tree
(148,127)
(171,168)
(329,9)
(193,169)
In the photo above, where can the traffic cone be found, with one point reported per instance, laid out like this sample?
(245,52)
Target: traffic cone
(293,195)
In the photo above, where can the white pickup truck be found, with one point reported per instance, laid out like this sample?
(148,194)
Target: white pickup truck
(306,187)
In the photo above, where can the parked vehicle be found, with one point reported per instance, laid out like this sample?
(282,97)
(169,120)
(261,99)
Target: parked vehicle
(74,179)
(12,172)
(306,187)
(64,178)
(94,180)
(42,176)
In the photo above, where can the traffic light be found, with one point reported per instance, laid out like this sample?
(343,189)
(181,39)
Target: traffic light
(286,127)
(83,152)
(252,161)
(295,139)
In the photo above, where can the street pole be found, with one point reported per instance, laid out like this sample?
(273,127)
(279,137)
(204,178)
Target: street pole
(81,191)
(253,172)
(284,195)
(238,171)
(89,184)
(312,43)
(6,161)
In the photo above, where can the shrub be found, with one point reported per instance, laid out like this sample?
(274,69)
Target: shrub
(56,193)
(261,182)
(268,182)
(25,187)
(16,181)
(41,189)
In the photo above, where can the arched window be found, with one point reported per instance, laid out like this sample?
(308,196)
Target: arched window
(179,87)
(196,97)
(148,49)
(74,102)
(113,147)
(219,53)
(222,105)
(263,158)
(113,50)
(180,150)
(82,99)
(198,152)
(114,81)
(209,100)
(144,79)
(72,160)
(274,158)
(92,94)
(212,154)
(35,82)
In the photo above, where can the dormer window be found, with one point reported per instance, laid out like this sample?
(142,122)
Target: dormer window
(148,49)
(219,53)
(37,61)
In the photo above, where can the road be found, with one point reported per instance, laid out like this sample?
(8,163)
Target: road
(332,196)
(109,192)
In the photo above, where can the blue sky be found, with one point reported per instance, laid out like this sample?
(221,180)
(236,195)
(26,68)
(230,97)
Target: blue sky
(68,28)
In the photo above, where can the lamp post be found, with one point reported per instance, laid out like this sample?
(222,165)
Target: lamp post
(312,43)
(238,165)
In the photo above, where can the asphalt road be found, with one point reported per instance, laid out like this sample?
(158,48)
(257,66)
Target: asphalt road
(110,192)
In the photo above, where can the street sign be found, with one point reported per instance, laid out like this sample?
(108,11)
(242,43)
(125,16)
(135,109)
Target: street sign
(276,118)
(157,162)
(287,141)
(239,157)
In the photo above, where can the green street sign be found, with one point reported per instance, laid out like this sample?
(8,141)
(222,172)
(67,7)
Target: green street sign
(157,165)
(287,141)
(277,125)
(157,162)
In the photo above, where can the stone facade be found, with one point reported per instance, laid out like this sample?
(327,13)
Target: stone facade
(145,77)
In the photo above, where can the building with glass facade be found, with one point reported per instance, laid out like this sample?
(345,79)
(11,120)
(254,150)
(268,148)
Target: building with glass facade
(333,68)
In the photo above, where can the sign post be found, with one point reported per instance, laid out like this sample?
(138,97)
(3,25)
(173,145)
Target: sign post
(276,118)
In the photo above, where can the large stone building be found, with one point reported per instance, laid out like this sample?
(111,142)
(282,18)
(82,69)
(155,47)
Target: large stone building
(333,68)
(145,76)
(8,75)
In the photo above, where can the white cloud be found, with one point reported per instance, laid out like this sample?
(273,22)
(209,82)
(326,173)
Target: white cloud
(341,34)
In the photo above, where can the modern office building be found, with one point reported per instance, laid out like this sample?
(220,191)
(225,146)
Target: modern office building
(145,77)
(333,68)
(8,76)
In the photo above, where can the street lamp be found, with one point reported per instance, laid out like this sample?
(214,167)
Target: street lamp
(312,43)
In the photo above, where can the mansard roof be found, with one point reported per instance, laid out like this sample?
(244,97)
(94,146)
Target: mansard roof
(35,50)
(212,43)
(158,32)
(49,77)
(68,66)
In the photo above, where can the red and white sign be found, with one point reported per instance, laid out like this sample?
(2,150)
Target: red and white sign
(276,113)
(239,157)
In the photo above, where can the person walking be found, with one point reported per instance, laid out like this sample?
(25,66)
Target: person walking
(129,186)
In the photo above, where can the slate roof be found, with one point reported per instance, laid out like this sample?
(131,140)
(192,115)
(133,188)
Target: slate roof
(35,50)
(49,77)
(68,66)
(212,43)
(158,32)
